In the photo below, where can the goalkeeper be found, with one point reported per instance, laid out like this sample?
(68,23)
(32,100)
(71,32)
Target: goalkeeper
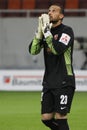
(56,39)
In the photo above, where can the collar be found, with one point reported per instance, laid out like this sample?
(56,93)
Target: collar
(57,27)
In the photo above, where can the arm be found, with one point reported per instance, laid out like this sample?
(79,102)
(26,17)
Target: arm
(65,40)
(46,26)
(65,36)
(60,45)
(35,46)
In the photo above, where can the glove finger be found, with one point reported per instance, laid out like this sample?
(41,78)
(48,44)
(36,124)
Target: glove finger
(50,25)
(41,21)
(45,18)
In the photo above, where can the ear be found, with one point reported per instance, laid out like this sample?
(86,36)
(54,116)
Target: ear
(61,16)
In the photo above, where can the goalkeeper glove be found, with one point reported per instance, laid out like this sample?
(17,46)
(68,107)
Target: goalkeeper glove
(39,33)
(46,26)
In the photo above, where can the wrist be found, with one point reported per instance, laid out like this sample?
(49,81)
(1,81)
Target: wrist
(38,35)
(36,40)
(47,34)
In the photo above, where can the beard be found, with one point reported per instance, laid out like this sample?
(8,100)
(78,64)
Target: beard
(54,21)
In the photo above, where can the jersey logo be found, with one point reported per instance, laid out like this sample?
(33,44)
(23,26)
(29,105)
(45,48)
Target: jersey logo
(62,108)
(55,36)
(65,38)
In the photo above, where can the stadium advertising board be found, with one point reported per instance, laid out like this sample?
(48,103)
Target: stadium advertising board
(21,80)
(31,80)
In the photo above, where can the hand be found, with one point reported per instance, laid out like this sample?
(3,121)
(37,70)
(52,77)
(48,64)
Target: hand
(39,33)
(45,25)
(45,21)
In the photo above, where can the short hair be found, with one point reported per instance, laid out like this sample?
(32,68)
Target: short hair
(61,7)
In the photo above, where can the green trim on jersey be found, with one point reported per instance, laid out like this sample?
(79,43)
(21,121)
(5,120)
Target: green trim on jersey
(67,57)
(50,45)
(35,48)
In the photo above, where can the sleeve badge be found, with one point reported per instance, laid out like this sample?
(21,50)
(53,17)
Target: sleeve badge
(65,38)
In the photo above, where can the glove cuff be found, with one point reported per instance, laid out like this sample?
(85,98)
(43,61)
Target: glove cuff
(38,35)
(47,34)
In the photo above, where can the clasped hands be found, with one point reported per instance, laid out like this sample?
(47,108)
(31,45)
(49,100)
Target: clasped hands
(44,26)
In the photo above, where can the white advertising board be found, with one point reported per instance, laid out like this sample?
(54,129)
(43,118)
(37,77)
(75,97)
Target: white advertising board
(31,80)
(21,80)
(81,80)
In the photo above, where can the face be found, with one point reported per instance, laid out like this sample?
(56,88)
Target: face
(55,14)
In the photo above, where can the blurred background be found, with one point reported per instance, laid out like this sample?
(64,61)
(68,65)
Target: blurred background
(18,23)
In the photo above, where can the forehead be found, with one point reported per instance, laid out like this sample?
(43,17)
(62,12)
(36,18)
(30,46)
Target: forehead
(54,7)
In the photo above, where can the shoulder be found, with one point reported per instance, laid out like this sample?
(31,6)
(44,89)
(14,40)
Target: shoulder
(66,27)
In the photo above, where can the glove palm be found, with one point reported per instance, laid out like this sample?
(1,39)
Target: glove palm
(39,33)
(45,25)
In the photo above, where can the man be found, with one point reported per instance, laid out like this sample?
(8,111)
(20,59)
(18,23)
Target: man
(57,41)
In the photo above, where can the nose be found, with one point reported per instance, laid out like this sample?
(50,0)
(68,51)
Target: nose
(49,13)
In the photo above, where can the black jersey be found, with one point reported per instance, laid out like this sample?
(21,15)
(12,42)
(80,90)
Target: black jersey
(58,66)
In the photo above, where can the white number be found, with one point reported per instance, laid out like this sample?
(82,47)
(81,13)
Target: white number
(63,99)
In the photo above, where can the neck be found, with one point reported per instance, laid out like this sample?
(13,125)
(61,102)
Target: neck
(57,24)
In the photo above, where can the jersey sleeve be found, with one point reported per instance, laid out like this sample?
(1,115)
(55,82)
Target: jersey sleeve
(35,46)
(65,39)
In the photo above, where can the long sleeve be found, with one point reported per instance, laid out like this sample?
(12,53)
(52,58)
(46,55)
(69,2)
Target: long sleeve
(35,46)
(65,40)
(60,42)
